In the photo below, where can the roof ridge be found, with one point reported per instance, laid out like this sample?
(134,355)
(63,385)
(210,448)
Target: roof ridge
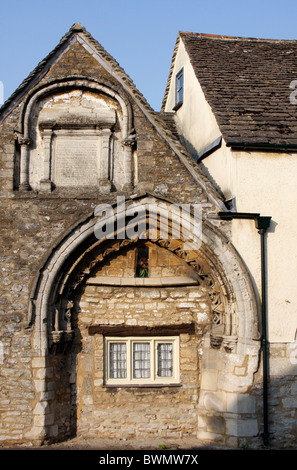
(23,85)
(76,28)
(227,37)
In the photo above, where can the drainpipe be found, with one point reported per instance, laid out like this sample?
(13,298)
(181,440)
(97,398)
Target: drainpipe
(261,224)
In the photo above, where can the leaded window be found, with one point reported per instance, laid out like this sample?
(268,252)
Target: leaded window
(165,359)
(142,360)
(117,360)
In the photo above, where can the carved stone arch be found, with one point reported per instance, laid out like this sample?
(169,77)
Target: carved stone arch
(106,123)
(216,263)
(73,82)
(223,328)
(218,268)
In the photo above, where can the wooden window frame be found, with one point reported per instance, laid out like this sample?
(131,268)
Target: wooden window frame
(179,89)
(154,378)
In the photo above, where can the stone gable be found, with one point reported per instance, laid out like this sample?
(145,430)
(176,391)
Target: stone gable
(74,136)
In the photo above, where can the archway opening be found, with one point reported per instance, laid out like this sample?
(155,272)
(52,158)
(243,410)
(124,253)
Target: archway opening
(89,294)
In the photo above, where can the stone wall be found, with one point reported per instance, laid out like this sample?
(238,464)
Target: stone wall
(29,228)
(48,396)
(282,394)
(32,224)
(227,408)
(137,412)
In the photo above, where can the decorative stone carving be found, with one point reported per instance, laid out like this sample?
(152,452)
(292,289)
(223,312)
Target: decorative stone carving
(61,333)
(77,135)
(223,329)
(130,141)
(45,182)
(24,143)
(76,154)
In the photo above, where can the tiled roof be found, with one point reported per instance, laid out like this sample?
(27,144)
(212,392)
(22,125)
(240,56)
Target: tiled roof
(247,84)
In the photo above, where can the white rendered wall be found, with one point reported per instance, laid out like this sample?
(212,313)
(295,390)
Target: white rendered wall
(264,183)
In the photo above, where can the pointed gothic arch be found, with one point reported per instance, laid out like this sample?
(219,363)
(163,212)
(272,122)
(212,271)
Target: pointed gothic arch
(79,254)
(221,270)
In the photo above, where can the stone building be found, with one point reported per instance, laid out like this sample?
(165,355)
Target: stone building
(130,303)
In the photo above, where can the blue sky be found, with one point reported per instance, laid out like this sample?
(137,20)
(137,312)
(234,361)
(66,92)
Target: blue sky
(139,34)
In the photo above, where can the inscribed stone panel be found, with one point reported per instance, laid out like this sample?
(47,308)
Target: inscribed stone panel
(76,160)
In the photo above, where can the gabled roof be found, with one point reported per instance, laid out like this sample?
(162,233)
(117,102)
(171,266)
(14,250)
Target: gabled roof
(162,122)
(77,30)
(246,82)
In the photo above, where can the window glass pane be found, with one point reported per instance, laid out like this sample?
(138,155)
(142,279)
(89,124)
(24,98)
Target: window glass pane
(141,360)
(117,360)
(165,359)
(180,95)
(179,87)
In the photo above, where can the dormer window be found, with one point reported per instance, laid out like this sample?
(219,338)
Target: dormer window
(179,89)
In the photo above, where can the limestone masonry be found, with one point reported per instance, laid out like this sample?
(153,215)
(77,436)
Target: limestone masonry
(118,336)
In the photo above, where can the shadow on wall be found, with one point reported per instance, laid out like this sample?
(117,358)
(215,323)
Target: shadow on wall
(228,419)
(236,419)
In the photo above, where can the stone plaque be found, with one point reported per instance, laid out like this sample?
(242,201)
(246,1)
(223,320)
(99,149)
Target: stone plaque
(76,160)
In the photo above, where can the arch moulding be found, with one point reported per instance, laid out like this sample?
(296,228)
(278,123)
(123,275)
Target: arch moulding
(214,260)
(24,132)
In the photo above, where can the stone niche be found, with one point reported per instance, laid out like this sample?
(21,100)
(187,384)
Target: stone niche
(76,142)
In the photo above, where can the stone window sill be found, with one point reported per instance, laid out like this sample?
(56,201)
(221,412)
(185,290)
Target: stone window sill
(142,385)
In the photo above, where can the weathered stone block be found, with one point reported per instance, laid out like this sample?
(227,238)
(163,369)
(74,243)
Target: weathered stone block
(213,401)
(241,427)
(209,380)
(240,403)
